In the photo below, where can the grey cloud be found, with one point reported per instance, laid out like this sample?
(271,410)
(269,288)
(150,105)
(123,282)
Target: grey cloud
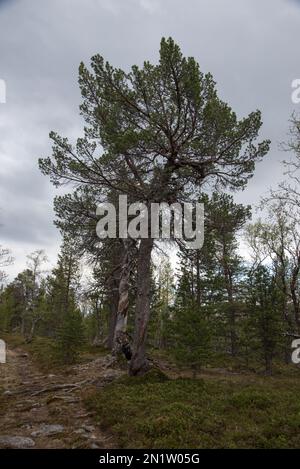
(251,47)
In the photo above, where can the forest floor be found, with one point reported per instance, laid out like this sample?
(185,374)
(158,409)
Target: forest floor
(45,409)
(90,405)
(219,409)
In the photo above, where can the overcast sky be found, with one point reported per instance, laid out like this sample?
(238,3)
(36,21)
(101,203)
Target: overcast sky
(250,46)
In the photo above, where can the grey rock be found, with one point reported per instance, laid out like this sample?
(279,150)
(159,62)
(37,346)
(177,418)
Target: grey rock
(47,430)
(16,442)
(94,446)
(88,428)
(80,431)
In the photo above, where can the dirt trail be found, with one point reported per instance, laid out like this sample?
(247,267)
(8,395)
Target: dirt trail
(46,410)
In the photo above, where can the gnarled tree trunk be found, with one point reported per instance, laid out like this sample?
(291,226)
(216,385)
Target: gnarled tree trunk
(139,363)
(121,339)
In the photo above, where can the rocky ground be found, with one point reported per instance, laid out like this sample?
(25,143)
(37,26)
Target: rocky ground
(46,410)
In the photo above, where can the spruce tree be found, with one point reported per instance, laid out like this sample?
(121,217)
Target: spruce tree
(191,337)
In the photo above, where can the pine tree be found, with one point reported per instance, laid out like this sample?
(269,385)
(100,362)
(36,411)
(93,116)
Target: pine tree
(151,134)
(70,336)
(191,336)
(64,314)
(265,325)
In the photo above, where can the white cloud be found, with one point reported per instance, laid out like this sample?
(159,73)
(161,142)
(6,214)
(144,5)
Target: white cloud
(151,6)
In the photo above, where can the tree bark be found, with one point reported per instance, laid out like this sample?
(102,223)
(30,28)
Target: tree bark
(198,279)
(22,326)
(139,364)
(98,339)
(121,342)
(113,307)
(32,329)
(295,300)
(229,288)
(268,364)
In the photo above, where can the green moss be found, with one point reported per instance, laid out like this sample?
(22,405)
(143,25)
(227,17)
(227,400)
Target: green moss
(150,412)
(155,375)
(13,340)
(43,352)
(252,399)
